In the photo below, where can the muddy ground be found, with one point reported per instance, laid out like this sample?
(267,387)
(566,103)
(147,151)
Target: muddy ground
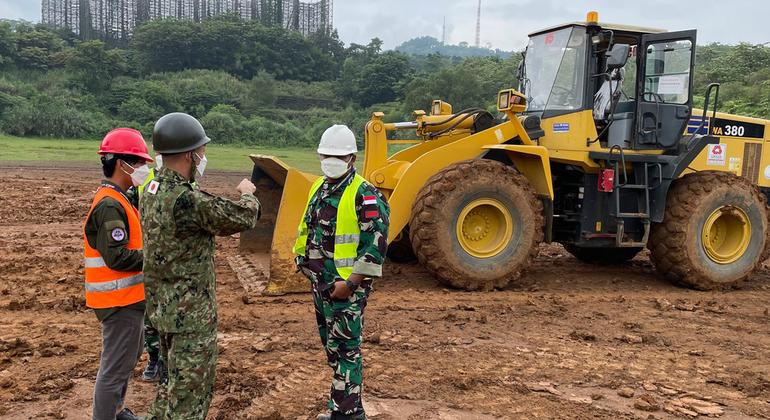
(578,341)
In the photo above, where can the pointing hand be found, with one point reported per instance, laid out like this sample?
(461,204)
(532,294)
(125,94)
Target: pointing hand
(246,187)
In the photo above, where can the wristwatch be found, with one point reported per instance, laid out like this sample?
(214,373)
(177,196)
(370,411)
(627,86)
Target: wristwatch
(351,285)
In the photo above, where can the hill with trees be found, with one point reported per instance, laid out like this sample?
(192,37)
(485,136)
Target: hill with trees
(254,84)
(428,45)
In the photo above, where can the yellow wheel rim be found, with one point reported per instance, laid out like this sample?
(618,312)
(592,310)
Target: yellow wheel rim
(726,234)
(484,228)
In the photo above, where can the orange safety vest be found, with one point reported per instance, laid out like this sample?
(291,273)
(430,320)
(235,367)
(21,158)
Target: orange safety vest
(105,287)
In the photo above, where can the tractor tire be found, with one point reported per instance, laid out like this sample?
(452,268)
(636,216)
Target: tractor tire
(400,250)
(602,256)
(714,232)
(477,225)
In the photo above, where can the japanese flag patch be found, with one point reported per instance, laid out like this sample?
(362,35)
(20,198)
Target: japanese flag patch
(118,234)
(153,187)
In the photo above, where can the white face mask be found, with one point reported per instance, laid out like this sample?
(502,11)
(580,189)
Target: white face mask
(201,166)
(139,176)
(334,167)
(158,162)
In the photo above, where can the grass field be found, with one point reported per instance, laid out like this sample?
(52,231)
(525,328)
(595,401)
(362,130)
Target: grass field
(83,152)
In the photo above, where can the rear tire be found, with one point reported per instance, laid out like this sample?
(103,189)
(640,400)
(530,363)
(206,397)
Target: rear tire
(603,256)
(714,232)
(476,225)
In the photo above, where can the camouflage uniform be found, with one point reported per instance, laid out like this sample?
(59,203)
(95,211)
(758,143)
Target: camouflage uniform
(179,224)
(151,335)
(340,322)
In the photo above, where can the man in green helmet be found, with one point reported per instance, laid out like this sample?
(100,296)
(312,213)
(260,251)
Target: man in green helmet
(179,225)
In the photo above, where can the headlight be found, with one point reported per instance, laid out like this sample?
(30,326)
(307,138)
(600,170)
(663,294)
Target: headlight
(503,101)
(510,100)
(441,108)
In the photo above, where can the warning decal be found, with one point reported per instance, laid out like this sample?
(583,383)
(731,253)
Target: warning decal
(717,153)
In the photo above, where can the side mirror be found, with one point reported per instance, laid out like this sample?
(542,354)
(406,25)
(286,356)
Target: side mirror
(617,56)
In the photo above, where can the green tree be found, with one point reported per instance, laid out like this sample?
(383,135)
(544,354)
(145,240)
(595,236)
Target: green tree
(37,47)
(261,92)
(93,66)
(383,79)
(167,45)
(7,44)
(140,111)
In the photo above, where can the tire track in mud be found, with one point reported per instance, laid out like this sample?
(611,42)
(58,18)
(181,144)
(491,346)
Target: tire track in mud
(302,388)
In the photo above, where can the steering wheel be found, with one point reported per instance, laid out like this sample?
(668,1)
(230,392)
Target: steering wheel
(657,97)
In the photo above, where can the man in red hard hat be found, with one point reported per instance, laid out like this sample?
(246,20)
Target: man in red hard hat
(114,283)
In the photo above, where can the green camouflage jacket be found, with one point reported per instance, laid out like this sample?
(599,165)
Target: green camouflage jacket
(321,219)
(179,224)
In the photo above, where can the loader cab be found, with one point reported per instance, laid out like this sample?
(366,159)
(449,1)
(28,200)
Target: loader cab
(637,82)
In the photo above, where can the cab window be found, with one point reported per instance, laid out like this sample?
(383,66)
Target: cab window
(667,72)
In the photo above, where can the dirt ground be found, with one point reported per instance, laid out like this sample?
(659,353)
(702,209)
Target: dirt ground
(576,341)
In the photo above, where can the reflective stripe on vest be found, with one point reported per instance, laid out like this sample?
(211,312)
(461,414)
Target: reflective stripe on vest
(110,286)
(105,287)
(346,232)
(96,262)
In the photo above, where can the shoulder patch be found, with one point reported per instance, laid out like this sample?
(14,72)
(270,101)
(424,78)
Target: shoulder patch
(118,234)
(153,187)
(370,200)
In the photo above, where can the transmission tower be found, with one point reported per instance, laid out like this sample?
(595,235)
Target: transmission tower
(478,26)
(443,33)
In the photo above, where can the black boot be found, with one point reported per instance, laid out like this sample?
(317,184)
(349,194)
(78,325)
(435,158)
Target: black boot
(126,414)
(334,415)
(152,372)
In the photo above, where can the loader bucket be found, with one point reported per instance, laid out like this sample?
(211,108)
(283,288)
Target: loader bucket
(283,193)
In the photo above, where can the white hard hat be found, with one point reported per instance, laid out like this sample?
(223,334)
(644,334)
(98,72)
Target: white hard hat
(338,140)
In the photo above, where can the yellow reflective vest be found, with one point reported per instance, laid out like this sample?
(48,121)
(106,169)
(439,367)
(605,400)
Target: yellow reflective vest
(346,232)
(147,181)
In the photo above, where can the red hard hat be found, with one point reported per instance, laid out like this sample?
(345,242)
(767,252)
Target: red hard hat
(125,141)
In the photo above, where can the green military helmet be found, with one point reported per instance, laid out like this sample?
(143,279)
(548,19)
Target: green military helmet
(178,133)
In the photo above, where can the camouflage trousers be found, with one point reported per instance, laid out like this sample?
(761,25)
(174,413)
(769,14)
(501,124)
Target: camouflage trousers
(340,324)
(186,394)
(151,340)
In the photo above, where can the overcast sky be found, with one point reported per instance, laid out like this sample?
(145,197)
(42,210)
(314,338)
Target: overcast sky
(506,23)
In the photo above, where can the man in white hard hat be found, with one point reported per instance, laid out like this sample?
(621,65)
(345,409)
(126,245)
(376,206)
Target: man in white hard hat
(341,246)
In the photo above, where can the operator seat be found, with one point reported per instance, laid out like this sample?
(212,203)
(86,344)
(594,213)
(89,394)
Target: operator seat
(608,95)
(608,110)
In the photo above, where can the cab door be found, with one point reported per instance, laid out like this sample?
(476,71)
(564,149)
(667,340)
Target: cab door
(664,85)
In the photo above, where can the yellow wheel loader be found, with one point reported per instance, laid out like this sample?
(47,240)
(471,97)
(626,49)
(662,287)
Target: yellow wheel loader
(599,149)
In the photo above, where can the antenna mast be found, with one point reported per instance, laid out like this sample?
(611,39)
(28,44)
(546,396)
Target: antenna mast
(443,33)
(478,26)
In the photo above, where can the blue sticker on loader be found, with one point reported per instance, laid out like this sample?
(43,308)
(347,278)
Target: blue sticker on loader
(561,128)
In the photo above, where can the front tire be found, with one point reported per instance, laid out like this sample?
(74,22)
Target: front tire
(713,235)
(476,225)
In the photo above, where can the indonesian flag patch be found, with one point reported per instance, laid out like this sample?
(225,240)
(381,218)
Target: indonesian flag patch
(370,200)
